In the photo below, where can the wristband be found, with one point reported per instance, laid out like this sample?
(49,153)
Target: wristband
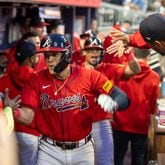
(17,113)
(129,56)
(10,122)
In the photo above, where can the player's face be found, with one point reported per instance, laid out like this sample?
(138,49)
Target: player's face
(39,30)
(52,59)
(92,56)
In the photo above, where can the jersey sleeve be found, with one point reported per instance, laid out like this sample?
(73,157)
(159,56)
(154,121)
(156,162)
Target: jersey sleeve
(29,95)
(155,94)
(136,40)
(100,83)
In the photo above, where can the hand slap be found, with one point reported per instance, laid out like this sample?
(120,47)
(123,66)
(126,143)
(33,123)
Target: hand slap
(117,49)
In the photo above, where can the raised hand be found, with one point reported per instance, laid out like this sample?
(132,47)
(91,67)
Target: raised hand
(13,103)
(101,36)
(116,48)
(119,35)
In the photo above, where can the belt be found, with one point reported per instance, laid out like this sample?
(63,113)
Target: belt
(67,145)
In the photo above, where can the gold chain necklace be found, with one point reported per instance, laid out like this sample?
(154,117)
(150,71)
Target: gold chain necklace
(55,93)
(68,74)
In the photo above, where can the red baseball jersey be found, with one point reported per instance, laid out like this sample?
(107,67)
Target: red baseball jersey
(77,57)
(63,108)
(41,64)
(142,90)
(15,81)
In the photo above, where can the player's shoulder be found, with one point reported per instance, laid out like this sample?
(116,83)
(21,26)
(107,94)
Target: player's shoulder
(40,74)
(84,71)
(155,75)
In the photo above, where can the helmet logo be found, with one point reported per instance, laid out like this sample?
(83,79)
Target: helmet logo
(47,43)
(95,42)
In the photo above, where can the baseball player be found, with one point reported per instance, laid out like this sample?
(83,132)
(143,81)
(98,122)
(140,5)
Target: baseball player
(27,136)
(131,126)
(60,99)
(102,133)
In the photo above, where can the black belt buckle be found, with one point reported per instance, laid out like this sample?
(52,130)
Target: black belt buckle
(66,146)
(63,146)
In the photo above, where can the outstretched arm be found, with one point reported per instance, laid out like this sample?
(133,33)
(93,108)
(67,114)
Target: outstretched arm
(24,114)
(133,66)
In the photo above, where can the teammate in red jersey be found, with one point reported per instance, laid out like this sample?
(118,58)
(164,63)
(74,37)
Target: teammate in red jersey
(61,98)
(131,126)
(102,133)
(27,137)
(77,57)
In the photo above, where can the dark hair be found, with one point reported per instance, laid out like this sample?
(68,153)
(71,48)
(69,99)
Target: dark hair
(141,53)
(54,25)
(29,34)
(127,21)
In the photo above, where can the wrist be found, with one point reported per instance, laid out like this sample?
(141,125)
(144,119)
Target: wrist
(17,113)
(129,55)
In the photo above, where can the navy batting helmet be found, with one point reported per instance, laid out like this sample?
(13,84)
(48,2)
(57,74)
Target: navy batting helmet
(94,43)
(57,43)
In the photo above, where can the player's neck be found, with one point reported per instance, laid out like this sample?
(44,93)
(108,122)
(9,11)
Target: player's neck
(64,74)
(88,65)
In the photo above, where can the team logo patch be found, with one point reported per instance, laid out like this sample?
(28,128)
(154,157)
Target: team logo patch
(108,86)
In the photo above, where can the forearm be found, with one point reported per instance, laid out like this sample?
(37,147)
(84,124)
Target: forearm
(133,65)
(24,115)
(132,68)
(121,98)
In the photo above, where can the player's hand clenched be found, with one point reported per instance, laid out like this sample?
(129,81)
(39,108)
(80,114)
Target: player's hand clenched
(107,103)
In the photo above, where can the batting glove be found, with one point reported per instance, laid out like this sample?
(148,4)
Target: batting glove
(107,103)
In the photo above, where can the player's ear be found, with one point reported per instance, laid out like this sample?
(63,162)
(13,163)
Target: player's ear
(159,44)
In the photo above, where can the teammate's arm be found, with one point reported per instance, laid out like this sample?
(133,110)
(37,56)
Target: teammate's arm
(133,66)
(24,115)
